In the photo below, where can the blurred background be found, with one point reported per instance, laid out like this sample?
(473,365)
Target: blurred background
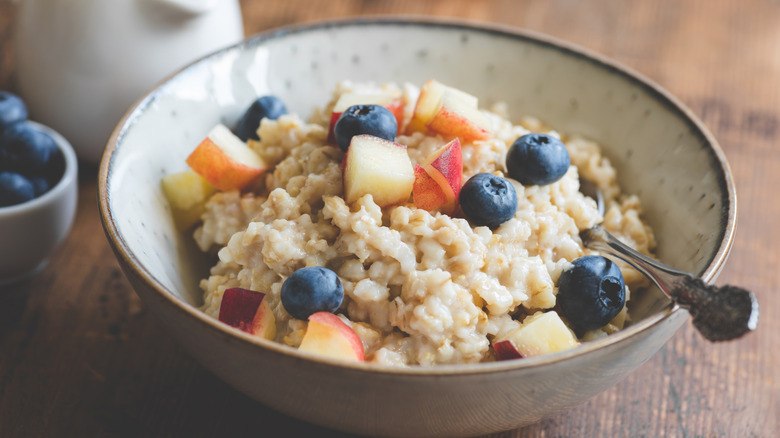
(79,356)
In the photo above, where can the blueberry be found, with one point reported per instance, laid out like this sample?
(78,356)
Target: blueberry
(373,120)
(310,290)
(12,109)
(41,185)
(591,292)
(488,200)
(15,189)
(266,107)
(31,152)
(537,159)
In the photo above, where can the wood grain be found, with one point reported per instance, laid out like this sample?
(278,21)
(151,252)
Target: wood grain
(80,356)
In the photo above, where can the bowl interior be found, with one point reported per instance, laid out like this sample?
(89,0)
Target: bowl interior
(662,154)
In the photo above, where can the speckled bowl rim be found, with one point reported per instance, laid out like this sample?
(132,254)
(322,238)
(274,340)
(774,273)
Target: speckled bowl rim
(232,335)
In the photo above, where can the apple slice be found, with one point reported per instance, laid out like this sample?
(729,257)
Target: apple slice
(449,112)
(459,116)
(379,167)
(329,336)
(445,168)
(428,103)
(541,333)
(187,193)
(225,161)
(427,193)
(247,310)
(394,104)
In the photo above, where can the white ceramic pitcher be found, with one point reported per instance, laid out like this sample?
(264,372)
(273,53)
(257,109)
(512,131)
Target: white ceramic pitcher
(82,63)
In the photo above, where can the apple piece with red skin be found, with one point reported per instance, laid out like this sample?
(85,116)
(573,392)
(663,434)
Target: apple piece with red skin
(225,161)
(445,168)
(247,310)
(458,116)
(393,103)
(450,112)
(505,350)
(329,336)
(379,167)
(427,193)
(540,333)
(428,103)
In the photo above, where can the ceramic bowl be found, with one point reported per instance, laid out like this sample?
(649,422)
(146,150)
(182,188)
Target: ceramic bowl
(30,232)
(662,152)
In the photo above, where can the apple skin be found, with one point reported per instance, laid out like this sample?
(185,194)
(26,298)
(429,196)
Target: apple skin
(379,167)
(505,350)
(457,118)
(247,310)
(445,168)
(427,193)
(329,336)
(225,161)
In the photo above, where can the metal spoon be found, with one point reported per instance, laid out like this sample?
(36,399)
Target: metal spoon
(719,313)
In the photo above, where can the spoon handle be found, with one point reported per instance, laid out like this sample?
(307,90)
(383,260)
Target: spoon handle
(719,313)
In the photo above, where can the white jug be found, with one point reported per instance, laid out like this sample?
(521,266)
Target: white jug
(82,63)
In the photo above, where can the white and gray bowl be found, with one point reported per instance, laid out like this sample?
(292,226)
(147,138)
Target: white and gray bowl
(662,152)
(30,232)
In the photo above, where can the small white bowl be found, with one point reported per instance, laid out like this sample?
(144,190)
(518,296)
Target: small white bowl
(31,231)
(662,153)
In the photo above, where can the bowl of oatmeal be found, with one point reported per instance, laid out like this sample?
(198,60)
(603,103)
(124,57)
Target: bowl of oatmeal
(351,278)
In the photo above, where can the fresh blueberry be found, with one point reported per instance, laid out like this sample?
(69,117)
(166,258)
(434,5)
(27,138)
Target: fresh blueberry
(12,109)
(15,189)
(41,185)
(31,152)
(591,292)
(488,200)
(310,290)
(373,120)
(266,107)
(537,159)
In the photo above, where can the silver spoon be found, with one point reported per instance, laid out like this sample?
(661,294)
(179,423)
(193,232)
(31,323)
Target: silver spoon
(719,313)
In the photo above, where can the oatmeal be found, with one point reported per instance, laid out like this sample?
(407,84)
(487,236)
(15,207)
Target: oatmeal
(421,286)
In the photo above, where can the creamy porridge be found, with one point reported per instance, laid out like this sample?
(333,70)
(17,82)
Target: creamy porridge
(420,287)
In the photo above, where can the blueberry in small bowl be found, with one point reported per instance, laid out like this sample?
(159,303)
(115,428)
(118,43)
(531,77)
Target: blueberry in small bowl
(38,191)
(12,109)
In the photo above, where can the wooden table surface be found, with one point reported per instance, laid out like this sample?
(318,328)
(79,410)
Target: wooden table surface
(81,356)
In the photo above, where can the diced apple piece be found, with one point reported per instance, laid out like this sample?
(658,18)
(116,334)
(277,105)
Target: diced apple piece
(427,192)
(393,103)
(449,112)
(187,193)
(505,350)
(428,103)
(225,161)
(248,310)
(379,167)
(329,336)
(459,116)
(542,333)
(445,168)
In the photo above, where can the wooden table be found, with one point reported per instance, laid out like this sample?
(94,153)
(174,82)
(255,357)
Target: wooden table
(81,356)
